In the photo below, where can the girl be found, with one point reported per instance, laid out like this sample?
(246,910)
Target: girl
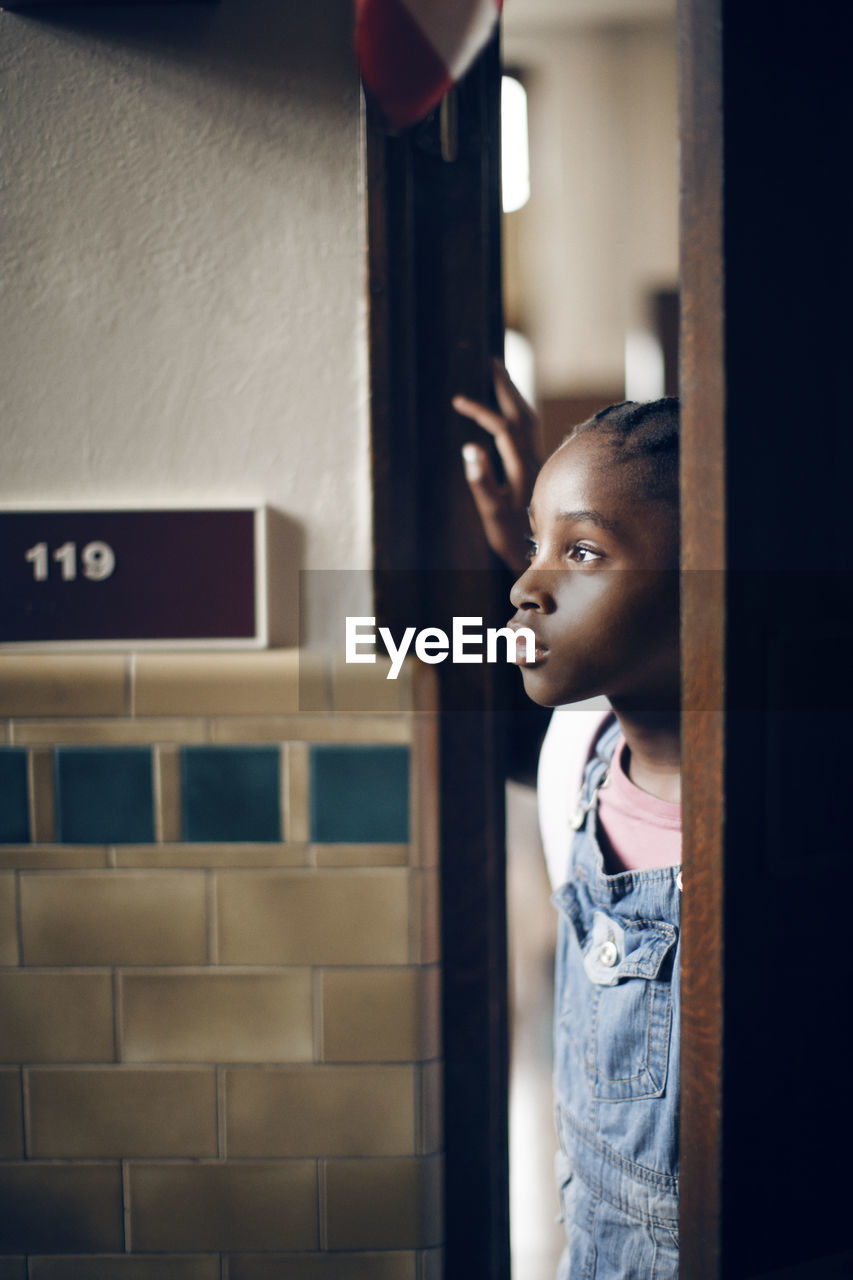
(600,593)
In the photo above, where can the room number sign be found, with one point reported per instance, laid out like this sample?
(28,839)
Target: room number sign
(131,577)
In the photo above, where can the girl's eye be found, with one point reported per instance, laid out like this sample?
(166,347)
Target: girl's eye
(581,554)
(532,548)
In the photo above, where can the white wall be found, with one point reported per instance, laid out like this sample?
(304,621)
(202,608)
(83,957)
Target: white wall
(184,315)
(601,226)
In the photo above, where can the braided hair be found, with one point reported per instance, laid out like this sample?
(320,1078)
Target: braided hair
(646,433)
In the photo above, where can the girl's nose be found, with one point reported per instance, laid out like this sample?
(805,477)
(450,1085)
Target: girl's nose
(531,591)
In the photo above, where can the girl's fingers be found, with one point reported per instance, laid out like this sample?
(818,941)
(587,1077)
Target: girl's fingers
(514,445)
(502,508)
(479,413)
(505,533)
(512,403)
(490,497)
(479,474)
(519,466)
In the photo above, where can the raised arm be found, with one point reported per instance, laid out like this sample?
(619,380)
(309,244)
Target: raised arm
(503,506)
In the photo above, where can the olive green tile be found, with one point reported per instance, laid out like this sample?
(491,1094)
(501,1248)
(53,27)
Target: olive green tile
(11,1118)
(295,789)
(205,683)
(63,685)
(321,1111)
(61,1208)
(324,1266)
(315,689)
(114,918)
(360,855)
(56,1017)
(425,941)
(365,688)
(431,1099)
(424,787)
(216,1016)
(167,792)
(8,920)
(211,855)
(26,857)
(119,730)
(379,1015)
(431,1263)
(390,729)
(121,1111)
(308,917)
(245,1206)
(126,1267)
(42,798)
(383,1204)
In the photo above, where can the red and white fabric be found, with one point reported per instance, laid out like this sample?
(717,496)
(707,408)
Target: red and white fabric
(411,52)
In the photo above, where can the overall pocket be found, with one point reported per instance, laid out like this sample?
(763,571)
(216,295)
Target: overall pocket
(616,1004)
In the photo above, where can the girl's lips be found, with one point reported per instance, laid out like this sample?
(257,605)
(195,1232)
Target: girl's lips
(522,659)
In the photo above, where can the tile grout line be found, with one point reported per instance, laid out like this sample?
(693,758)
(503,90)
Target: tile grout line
(125,1198)
(322,1207)
(118,1047)
(212,908)
(221,1115)
(19,919)
(414,905)
(284,790)
(157,770)
(41,794)
(130,685)
(317,1014)
(420,1116)
(32,817)
(26,1125)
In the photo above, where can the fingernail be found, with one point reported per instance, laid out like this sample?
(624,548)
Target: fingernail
(473,462)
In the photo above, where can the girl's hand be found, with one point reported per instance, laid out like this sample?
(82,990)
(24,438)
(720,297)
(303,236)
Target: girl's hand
(503,507)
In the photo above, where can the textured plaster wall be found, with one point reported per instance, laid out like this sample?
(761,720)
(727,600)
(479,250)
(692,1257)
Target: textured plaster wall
(182,262)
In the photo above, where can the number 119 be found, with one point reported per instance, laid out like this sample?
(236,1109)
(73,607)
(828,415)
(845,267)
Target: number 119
(97,560)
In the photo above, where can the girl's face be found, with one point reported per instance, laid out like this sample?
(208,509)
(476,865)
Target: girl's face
(601,592)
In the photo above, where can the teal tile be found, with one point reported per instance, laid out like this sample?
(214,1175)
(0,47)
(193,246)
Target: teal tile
(104,795)
(230,794)
(14,811)
(360,794)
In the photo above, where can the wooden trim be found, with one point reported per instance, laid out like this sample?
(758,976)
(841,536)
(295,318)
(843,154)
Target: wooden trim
(435,319)
(703,632)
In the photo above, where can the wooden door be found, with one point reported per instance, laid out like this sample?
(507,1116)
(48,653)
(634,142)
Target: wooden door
(768,553)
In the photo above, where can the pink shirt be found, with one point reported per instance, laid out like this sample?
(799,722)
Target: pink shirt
(642,831)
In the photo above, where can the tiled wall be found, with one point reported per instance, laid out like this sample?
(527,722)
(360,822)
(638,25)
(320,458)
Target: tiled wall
(219,970)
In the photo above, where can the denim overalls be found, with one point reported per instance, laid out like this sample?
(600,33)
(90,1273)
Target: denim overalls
(616,1056)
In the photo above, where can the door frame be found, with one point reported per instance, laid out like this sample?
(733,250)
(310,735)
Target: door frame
(435,321)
